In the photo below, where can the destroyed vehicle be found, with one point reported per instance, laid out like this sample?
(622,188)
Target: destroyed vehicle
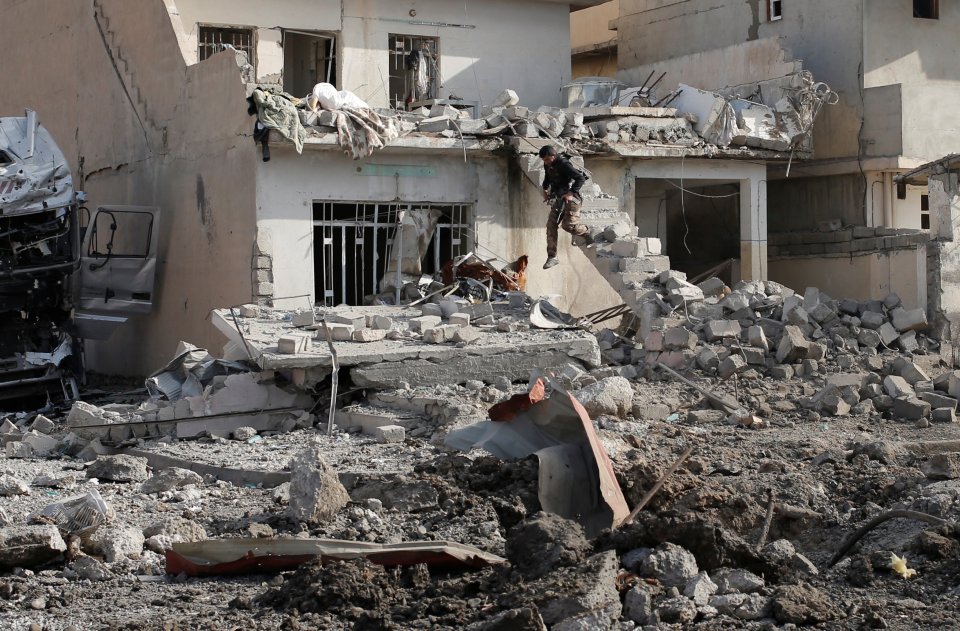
(66,273)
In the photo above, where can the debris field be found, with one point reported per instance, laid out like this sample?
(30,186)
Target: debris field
(745,458)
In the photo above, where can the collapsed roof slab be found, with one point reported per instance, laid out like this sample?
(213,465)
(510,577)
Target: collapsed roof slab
(406,360)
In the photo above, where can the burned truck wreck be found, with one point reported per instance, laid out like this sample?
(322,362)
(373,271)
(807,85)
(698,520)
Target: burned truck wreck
(65,273)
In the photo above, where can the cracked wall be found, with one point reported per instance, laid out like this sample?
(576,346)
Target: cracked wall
(139,127)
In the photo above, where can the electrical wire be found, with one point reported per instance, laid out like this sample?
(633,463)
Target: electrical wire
(683,207)
(689,192)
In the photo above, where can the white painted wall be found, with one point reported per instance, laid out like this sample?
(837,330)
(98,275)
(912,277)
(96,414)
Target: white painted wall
(508,215)
(868,277)
(519,44)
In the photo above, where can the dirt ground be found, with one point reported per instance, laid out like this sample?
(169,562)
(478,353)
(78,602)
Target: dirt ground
(825,477)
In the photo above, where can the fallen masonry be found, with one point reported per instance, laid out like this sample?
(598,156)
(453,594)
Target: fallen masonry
(793,428)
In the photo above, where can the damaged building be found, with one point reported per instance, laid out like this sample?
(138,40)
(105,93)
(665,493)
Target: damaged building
(368,401)
(836,221)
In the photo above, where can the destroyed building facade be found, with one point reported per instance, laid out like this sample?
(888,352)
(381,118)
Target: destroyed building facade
(837,221)
(161,119)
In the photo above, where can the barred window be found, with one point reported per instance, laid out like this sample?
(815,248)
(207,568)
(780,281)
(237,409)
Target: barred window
(215,39)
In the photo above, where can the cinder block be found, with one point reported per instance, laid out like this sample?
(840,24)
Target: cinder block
(431,309)
(466,335)
(294,344)
(421,324)
(944,415)
(304,318)
(460,319)
(389,434)
(382,323)
(719,329)
(341,332)
(369,335)
(356,320)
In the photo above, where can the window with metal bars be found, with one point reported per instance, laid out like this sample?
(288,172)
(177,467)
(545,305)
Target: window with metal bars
(354,243)
(216,39)
(414,69)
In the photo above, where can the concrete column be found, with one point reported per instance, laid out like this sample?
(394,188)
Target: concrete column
(753,229)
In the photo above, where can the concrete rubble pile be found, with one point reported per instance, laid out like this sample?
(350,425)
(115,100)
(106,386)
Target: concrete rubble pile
(798,417)
(690,123)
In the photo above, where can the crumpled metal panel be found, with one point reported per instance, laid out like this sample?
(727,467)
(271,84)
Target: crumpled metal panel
(35,175)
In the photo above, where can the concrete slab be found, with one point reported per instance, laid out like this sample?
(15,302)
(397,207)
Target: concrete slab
(406,360)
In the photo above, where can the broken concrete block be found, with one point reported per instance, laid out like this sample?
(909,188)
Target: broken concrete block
(648,264)
(888,334)
(712,287)
(833,405)
(757,338)
(793,346)
(782,371)
(612,396)
(718,329)
(507,98)
(382,323)
(434,124)
(466,335)
(868,338)
(10,485)
(369,335)
(705,417)
(356,320)
(43,425)
(41,444)
(654,341)
(617,231)
(907,342)
(797,316)
(29,546)
(116,543)
(823,314)
(872,320)
(737,581)
(304,318)
(678,338)
(913,373)
(340,332)
(941,467)
(431,309)
(731,366)
(671,565)
(440,334)
(909,320)
(119,468)
(17,449)
(459,319)
(910,408)
(897,387)
(316,494)
(170,479)
(708,359)
(944,415)
(294,344)
(638,604)
(421,324)
(389,434)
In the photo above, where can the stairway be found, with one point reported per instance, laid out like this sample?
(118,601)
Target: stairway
(624,259)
